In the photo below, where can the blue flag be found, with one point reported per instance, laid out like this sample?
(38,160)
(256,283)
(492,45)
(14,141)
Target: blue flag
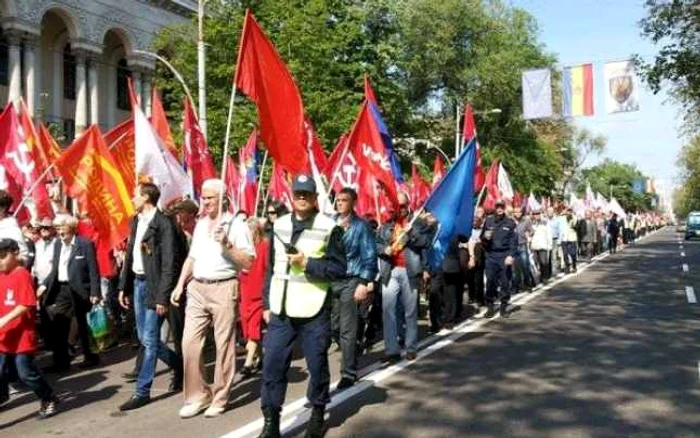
(452,204)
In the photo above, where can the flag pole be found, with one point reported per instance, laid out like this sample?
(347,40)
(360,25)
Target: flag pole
(227,141)
(260,183)
(376,206)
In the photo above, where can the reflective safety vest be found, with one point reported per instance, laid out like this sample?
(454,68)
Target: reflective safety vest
(290,289)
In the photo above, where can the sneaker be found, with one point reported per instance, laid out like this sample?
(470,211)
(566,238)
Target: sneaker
(345,383)
(411,355)
(48,408)
(193,409)
(213,411)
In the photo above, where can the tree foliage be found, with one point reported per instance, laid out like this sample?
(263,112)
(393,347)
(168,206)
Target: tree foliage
(687,197)
(612,178)
(674,25)
(424,58)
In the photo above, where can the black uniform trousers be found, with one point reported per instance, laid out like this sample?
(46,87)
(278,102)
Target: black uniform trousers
(497,278)
(445,300)
(68,304)
(278,343)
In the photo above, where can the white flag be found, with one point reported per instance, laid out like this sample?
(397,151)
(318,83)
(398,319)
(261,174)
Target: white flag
(621,87)
(156,163)
(616,208)
(504,185)
(537,93)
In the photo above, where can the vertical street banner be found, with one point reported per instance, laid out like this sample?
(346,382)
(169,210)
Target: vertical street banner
(578,91)
(537,94)
(621,87)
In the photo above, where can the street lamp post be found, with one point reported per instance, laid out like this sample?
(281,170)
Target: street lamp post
(201,55)
(458,138)
(177,74)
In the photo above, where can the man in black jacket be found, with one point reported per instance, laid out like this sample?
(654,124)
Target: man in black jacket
(149,276)
(71,289)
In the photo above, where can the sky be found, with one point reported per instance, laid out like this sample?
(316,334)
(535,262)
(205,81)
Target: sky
(607,30)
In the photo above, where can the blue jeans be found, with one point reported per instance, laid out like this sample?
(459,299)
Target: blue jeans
(524,255)
(28,373)
(399,288)
(279,343)
(148,325)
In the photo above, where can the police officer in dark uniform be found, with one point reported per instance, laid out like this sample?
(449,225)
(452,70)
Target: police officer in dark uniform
(307,253)
(501,246)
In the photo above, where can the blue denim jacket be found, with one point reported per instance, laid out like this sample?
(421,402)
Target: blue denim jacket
(360,250)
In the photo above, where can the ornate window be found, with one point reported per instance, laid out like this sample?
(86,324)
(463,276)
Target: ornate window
(123,75)
(69,65)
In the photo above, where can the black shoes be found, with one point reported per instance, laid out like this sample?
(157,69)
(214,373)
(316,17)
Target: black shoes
(130,376)
(504,311)
(491,312)
(345,383)
(271,427)
(317,426)
(134,402)
(89,363)
(391,359)
(411,355)
(48,408)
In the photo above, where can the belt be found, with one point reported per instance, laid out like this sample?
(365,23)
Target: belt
(206,281)
(139,277)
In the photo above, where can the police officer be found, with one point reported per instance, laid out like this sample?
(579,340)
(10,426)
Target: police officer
(307,254)
(501,246)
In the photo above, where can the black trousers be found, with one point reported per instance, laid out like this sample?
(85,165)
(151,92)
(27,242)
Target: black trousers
(349,317)
(475,284)
(498,279)
(69,304)
(446,299)
(613,242)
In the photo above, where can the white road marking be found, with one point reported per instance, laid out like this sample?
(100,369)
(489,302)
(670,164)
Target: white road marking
(698,369)
(685,267)
(690,293)
(682,254)
(374,373)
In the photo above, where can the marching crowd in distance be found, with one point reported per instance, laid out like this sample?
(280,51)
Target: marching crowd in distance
(263,283)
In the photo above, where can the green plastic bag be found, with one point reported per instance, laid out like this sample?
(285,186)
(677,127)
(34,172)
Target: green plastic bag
(100,327)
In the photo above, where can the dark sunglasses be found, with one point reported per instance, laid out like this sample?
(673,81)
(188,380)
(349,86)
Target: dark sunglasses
(269,213)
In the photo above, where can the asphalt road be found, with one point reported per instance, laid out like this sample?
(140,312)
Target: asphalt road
(612,351)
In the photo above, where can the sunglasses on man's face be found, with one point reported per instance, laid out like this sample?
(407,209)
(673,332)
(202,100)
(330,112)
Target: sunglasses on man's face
(272,213)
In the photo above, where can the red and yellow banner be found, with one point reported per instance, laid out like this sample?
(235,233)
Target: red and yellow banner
(92,177)
(121,143)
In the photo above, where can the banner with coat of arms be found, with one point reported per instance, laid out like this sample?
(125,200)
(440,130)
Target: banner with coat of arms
(621,87)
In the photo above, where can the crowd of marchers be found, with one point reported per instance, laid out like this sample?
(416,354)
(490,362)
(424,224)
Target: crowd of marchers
(257,284)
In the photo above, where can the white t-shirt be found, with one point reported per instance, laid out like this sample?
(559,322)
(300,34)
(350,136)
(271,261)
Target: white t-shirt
(210,263)
(43,259)
(142,224)
(9,229)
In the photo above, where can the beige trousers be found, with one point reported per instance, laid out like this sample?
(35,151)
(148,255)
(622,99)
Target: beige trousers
(208,304)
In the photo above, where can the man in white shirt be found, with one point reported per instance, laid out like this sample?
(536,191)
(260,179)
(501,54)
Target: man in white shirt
(9,228)
(220,248)
(44,249)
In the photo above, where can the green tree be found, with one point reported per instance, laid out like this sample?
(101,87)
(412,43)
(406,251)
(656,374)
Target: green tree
(612,178)
(674,25)
(688,197)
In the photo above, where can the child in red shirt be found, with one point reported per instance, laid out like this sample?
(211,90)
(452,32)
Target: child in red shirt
(18,327)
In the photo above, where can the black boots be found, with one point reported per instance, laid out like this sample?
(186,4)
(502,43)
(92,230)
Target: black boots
(271,428)
(316,427)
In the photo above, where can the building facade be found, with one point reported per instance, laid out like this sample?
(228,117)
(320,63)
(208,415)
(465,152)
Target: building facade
(70,59)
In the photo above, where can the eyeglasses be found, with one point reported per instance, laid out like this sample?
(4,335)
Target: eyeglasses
(271,213)
(302,195)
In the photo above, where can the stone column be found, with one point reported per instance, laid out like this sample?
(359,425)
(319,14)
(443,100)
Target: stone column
(136,80)
(13,49)
(81,103)
(146,92)
(94,91)
(30,73)
(56,114)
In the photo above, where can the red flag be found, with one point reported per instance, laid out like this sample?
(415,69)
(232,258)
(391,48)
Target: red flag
(420,190)
(50,148)
(249,174)
(317,153)
(279,189)
(121,143)
(233,184)
(366,146)
(195,152)
(369,92)
(92,177)
(160,124)
(337,156)
(438,170)
(19,163)
(469,134)
(518,200)
(491,183)
(266,80)
(33,142)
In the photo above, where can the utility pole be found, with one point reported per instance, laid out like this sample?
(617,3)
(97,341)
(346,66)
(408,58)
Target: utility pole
(201,68)
(458,142)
